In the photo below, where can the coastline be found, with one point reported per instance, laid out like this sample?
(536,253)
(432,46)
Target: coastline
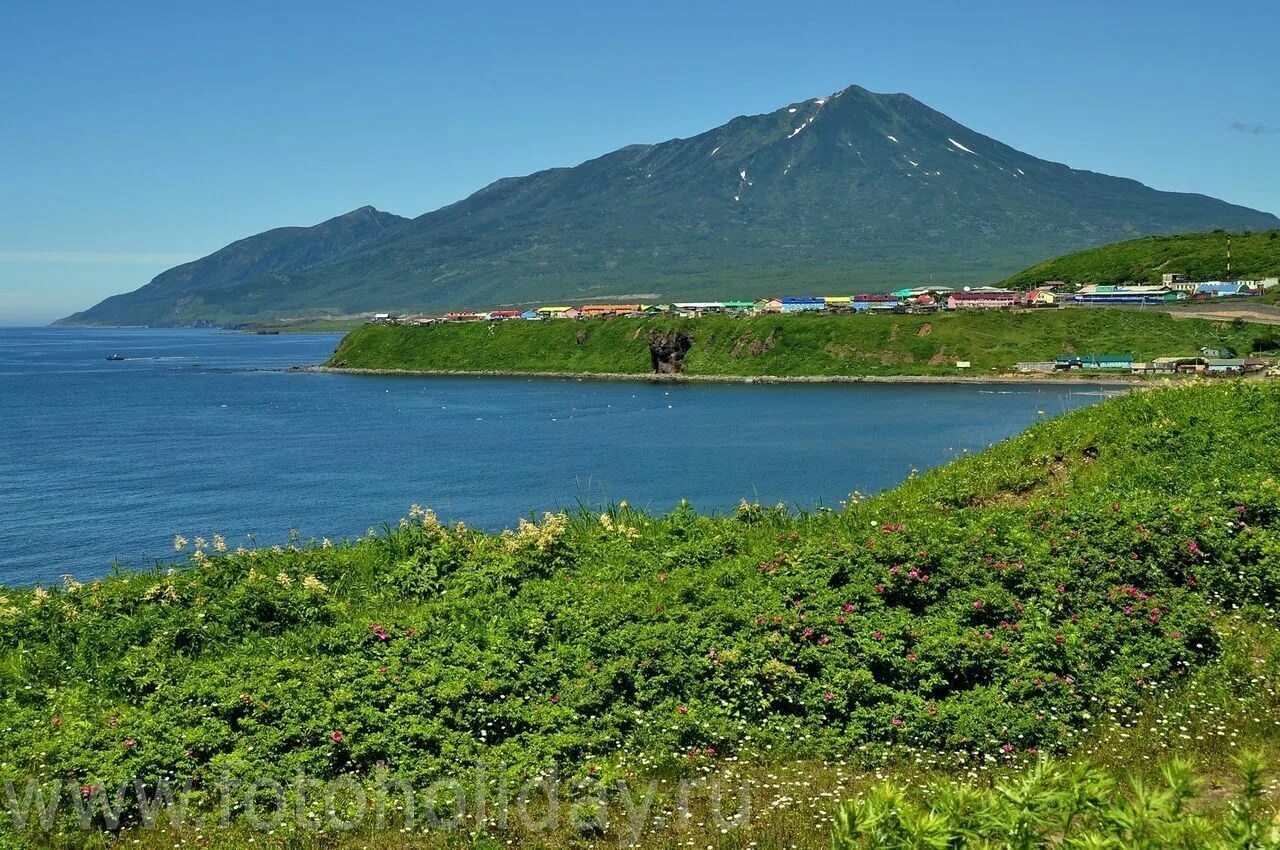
(649,377)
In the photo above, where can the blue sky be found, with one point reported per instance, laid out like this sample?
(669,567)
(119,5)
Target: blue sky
(137,135)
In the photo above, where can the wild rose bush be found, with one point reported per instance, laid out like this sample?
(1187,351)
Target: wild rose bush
(1000,604)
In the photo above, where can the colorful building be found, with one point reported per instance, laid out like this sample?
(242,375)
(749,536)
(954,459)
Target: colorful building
(982,299)
(803,305)
(875,301)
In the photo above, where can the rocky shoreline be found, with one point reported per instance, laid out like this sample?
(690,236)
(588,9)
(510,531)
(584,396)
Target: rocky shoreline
(680,378)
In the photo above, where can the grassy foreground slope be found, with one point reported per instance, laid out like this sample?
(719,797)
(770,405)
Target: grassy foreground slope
(791,345)
(1011,602)
(1202,256)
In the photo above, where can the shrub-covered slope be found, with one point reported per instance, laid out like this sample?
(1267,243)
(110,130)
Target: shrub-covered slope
(999,604)
(1202,256)
(792,345)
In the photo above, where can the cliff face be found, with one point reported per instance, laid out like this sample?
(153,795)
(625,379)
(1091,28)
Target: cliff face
(667,350)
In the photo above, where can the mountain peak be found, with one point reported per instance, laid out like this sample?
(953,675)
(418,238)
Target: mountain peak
(855,190)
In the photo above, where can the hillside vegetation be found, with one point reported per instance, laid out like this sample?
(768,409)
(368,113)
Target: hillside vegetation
(792,345)
(1202,256)
(1052,591)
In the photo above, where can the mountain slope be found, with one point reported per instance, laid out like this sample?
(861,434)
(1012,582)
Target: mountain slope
(1202,256)
(857,190)
(177,295)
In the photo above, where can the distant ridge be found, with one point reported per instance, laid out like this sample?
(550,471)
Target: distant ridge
(181,294)
(1199,256)
(856,190)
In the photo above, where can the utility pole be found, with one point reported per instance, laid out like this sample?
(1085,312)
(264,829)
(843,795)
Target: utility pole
(1228,256)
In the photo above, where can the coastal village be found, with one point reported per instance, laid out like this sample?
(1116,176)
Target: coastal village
(1173,289)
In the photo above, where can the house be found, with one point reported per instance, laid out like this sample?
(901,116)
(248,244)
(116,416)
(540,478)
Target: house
(803,305)
(656,309)
(922,304)
(464,317)
(982,299)
(698,308)
(383,318)
(1220,289)
(1107,293)
(572,313)
(740,307)
(1178,282)
(1039,298)
(503,315)
(1035,366)
(1165,365)
(875,301)
(557,312)
(1225,366)
(1109,362)
(770,305)
(600,310)
(531,315)
(1218,353)
(838,303)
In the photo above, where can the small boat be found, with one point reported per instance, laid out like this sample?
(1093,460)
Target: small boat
(115,356)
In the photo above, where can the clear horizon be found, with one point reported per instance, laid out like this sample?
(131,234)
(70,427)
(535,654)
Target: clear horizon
(141,137)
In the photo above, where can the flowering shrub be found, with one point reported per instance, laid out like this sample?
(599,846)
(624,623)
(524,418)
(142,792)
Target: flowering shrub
(998,605)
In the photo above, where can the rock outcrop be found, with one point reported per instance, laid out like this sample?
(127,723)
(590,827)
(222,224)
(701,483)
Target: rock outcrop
(667,350)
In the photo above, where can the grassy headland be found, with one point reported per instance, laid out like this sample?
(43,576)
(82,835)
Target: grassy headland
(792,346)
(1201,256)
(1102,585)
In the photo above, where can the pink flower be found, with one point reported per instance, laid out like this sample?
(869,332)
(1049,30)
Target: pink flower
(711,751)
(336,737)
(878,636)
(897,721)
(129,742)
(847,607)
(86,791)
(555,700)
(828,696)
(57,721)
(977,605)
(684,709)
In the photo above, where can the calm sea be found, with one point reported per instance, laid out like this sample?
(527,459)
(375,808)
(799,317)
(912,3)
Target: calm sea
(198,431)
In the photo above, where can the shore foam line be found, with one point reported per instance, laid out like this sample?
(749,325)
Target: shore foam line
(649,377)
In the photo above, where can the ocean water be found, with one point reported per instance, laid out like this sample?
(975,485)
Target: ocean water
(201,431)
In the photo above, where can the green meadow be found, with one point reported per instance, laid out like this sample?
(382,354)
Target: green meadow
(795,346)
